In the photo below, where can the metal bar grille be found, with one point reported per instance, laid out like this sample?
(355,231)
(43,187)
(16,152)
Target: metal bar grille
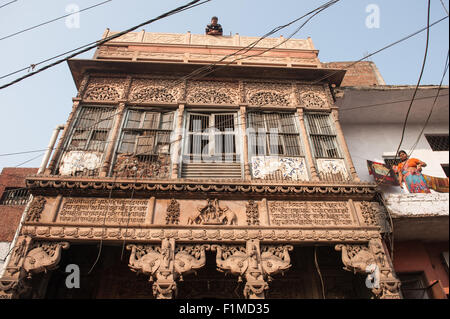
(16,197)
(91,130)
(144,147)
(322,136)
(273,134)
(438,143)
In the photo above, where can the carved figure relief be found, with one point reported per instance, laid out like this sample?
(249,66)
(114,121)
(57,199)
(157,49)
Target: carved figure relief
(173,212)
(212,214)
(43,256)
(372,260)
(35,210)
(253,263)
(166,264)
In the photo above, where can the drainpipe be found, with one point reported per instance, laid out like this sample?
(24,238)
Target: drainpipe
(51,144)
(30,200)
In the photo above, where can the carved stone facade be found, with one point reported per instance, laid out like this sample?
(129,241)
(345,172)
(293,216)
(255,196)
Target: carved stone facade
(122,184)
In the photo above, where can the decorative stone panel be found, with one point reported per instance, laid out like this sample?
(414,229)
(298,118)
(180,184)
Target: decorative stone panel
(105,89)
(155,90)
(212,92)
(267,93)
(313,97)
(274,167)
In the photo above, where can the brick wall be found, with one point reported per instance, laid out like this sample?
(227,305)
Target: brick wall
(364,73)
(10,215)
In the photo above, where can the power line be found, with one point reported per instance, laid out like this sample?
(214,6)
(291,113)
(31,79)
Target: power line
(382,49)
(95,44)
(52,20)
(8,3)
(25,152)
(445,8)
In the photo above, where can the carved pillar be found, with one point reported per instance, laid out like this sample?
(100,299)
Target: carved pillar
(254,263)
(59,148)
(113,139)
(177,145)
(305,140)
(28,258)
(243,110)
(166,264)
(343,143)
(372,260)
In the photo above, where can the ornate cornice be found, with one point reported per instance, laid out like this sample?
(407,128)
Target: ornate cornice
(51,185)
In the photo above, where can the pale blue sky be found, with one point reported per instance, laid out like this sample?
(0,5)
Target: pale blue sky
(31,109)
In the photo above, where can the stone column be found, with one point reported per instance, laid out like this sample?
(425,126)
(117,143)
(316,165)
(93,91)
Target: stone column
(59,148)
(176,151)
(113,137)
(343,144)
(308,149)
(243,110)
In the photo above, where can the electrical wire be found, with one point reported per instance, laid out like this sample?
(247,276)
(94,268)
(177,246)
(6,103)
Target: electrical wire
(318,271)
(445,8)
(95,44)
(52,20)
(11,2)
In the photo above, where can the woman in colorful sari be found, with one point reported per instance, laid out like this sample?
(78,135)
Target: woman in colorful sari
(410,172)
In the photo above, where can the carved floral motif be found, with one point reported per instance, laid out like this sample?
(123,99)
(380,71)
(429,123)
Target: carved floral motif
(155,90)
(264,93)
(252,213)
(173,212)
(104,89)
(212,92)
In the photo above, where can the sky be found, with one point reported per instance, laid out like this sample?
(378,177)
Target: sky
(31,109)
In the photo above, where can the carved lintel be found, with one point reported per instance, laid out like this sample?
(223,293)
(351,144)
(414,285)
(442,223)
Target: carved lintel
(166,264)
(254,263)
(371,260)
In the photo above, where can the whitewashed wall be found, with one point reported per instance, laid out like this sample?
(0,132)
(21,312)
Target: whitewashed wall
(4,249)
(372,141)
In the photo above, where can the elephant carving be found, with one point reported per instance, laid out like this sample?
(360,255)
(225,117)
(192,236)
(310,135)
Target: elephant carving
(228,218)
(212,214)
(43,257)
(356,258)
(276,259)
(189,258)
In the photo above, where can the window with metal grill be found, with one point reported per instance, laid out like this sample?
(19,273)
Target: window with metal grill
(146,133)
(92,129)
(212,136)
(438,142)
(322,136)
(273,134)
(14,196)
(445,167)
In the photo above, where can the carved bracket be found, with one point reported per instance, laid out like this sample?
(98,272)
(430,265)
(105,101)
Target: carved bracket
(166,264)
(372,260)
(254,263)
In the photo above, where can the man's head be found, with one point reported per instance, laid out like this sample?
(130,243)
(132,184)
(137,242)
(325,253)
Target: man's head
(214,20)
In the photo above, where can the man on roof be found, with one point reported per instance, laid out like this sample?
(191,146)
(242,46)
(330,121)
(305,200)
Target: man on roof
(214,28)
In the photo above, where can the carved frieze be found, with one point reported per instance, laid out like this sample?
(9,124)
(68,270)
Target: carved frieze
(105,89)
(289,213)
(375,215)
(268,94)
(212,92)
(155,90)
(35,210)
(313,97)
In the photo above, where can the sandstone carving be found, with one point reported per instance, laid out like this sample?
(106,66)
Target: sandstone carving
(255,264)
(43,256)
(173,212)
(372,260)
(35,210)
(212,214)
(166,264)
